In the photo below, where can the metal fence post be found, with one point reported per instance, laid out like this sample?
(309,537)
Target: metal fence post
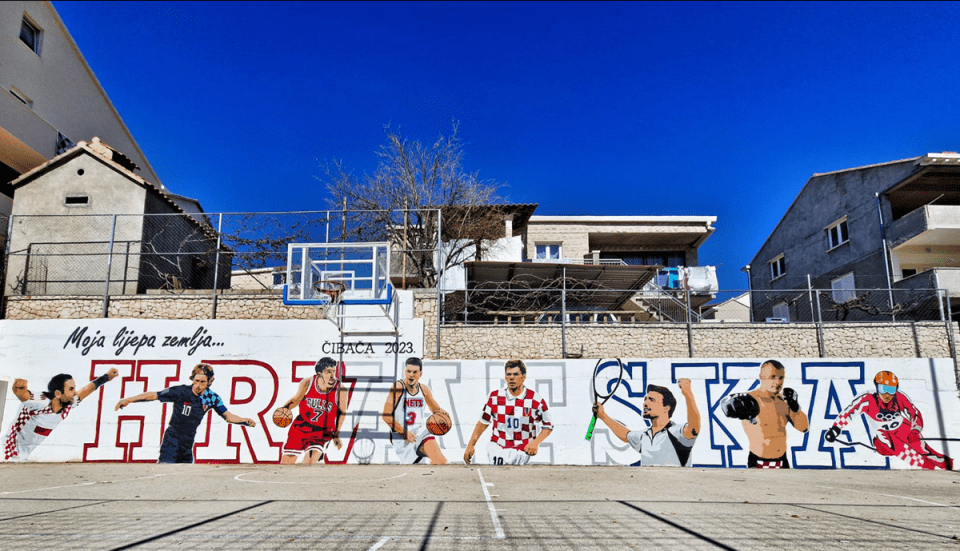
(810,295)
(440,264)
(106,287)
(819,323)
(563,314)
(951,338)
(216,266)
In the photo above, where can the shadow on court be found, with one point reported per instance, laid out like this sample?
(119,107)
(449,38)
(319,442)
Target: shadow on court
(223,507)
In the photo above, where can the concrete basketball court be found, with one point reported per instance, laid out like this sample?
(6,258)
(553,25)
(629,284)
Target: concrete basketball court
(149,506)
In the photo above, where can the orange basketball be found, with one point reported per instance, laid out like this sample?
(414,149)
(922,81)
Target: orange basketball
(439,423)
(282,417)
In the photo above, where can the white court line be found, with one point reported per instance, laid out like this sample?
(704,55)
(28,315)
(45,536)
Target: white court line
(379,544)
(493,511)
(80,484)
(863,492)
(238,479)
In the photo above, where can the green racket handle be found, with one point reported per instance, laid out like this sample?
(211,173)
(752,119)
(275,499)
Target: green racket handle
(590,430)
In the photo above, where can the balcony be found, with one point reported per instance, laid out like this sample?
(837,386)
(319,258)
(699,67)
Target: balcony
(934,278)
(930,225)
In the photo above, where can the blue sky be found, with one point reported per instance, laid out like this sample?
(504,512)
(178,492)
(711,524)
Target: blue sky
(707,109)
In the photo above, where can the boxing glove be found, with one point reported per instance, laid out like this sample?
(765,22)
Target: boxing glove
(740,406)
(790,396)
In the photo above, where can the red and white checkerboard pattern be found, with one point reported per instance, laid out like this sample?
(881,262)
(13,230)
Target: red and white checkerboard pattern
(769,464)
(515,418)
(35,421)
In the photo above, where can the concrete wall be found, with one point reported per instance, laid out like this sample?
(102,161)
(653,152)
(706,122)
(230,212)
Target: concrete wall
(259,364)
(65,94)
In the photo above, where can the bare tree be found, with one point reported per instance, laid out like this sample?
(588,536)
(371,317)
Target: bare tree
(400,202)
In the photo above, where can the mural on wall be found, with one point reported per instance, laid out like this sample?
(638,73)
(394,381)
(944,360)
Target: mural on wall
(293,391)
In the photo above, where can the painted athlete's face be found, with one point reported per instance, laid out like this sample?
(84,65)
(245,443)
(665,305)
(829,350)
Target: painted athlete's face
(653,406)
(771,379)
(515,379)
(69,392)
(329,376)
(200,383)
(886,397)
(411,375)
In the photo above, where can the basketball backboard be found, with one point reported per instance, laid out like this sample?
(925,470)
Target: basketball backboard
(326,273)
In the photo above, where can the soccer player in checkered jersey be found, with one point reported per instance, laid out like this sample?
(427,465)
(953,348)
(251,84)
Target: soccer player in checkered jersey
(765,412)
(190,406)
(38,418)
(895,423)
(405,413)
(515,413)
(323,404)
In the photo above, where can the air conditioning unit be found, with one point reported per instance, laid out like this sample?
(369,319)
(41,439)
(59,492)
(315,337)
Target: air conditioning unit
(778,320)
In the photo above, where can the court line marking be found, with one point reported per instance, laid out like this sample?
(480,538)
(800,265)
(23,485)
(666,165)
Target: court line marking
(80,484)
(238,479)
(863,492)
(493,510)
(379,544)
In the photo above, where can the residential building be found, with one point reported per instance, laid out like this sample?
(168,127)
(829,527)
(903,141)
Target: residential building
(50,98)
(609,263)
(878,239)
(734,309)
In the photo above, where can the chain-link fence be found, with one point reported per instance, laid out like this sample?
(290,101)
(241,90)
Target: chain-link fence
(586,303)
(199,253)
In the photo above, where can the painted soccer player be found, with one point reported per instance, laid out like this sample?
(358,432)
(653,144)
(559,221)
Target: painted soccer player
(38,418)
(665,443)
(405,413)
(191,403)
(894,422)
(515,413)
(323,403)
(765,412)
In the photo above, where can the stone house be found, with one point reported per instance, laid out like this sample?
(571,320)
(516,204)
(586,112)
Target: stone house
(85,210)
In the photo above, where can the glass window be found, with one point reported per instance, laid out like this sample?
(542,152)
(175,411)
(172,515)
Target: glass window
(778,267)
(843,288)
(548,251)
(30,35)
(837,234)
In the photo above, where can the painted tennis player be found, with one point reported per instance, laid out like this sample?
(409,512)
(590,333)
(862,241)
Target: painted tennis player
(515,412)
(665,443)
(38,418)
(405,412)
(191,404)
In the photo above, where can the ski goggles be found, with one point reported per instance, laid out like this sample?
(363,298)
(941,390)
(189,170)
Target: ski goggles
(886,389)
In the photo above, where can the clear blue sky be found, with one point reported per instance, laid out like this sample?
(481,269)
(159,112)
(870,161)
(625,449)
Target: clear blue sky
(716,109)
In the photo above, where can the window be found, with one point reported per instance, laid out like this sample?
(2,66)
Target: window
(22,97)
(837,233)
(30,35)
(907,272)
(548,251)
(778,267)
(781,310)
(843,288)
(77,200)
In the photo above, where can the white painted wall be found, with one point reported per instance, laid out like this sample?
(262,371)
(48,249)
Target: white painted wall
(258,365)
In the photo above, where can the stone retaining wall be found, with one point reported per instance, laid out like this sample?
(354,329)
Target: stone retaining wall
(792,340)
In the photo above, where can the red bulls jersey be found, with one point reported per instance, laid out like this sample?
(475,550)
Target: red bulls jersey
(319,409)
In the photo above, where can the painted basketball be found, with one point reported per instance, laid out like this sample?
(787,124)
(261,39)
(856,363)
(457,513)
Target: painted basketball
(282,417)
(439,423)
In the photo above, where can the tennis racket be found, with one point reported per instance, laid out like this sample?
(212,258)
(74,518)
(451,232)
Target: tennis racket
(607,376)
